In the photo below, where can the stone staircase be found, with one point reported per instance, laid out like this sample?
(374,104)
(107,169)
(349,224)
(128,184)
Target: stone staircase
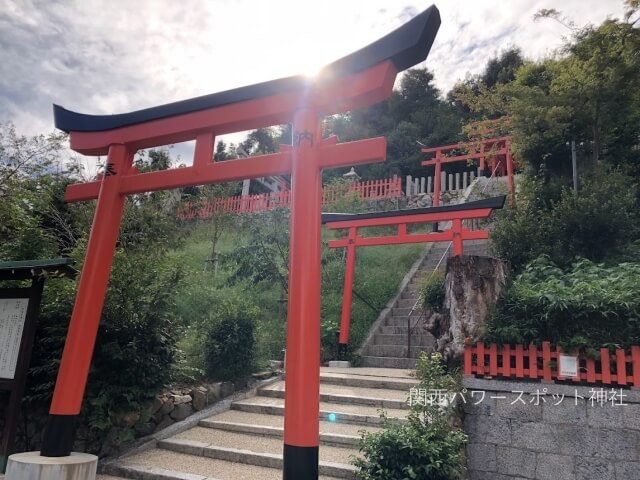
(387,348)
(246,440)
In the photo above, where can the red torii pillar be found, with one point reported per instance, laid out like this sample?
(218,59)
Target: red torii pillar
(400,219)
(355,81)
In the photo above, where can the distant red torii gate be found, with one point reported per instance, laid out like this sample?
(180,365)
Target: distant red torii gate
(490,148)
(457,234)
(363,78)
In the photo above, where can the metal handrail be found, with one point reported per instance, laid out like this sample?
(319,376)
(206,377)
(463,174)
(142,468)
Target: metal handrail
(409,327)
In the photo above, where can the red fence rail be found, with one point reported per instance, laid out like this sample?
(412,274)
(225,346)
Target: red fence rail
(374,189)
(618,368)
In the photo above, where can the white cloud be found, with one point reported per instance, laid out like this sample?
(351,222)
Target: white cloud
(108,57)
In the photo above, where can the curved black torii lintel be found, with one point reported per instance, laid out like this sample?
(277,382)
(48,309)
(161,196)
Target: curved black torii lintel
(406,46)
(493,202)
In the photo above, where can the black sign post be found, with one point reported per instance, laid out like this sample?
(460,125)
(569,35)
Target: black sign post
(19,309)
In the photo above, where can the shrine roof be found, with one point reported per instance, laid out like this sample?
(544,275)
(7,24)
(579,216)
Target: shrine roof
(406,46)
(20,270)
(493,202)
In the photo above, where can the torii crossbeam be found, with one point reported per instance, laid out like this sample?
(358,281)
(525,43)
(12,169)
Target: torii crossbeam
(355,81)
(457,234)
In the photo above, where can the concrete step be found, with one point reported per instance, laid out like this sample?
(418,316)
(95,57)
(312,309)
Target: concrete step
(399,351)
(395,379)
(406,302)
(356,414)
(331,433)
(403,312)
(329,439)
(393,329)
(162,464)
(409,294)
(388,362)
(252,450)
(395,321)
(377,397)
(426,340)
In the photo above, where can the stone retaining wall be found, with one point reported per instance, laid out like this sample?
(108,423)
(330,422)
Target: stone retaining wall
(554,435)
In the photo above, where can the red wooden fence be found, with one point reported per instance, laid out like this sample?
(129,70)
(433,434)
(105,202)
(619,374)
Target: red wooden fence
(374,189)
(620,368)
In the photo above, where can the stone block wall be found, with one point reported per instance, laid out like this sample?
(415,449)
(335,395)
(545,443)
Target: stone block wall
(562,433)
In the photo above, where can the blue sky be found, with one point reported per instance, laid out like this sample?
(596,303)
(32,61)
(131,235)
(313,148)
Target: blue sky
(112,56)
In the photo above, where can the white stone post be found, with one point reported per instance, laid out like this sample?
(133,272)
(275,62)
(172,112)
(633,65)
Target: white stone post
(457,181)
(409,184)
(422,190)
(429,184)
(32,466)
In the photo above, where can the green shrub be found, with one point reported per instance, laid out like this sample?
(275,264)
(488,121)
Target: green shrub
(432,292)
(427,447)
(585,306)
(597,224)
(230,339)
(135,351)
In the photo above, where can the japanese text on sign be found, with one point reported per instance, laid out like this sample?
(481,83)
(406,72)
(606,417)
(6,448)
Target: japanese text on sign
(13,312)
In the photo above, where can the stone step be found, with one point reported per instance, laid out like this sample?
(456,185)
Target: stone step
(409,294)
(377,397)
(161,464)
(394,380)
(388,362)
(426,340)
(357,414)
(393,329)
(399,351)
(403,312)
(406,302)
(395,321)
(331,433)
(253,450)
(336,440)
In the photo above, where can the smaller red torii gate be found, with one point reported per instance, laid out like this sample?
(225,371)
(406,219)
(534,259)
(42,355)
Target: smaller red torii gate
(488,149)
(457,234)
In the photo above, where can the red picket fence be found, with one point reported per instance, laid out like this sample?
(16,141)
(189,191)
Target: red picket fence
(374,189)
(620,368)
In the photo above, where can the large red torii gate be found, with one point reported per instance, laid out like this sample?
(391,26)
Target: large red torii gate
(457,234)
(355,81)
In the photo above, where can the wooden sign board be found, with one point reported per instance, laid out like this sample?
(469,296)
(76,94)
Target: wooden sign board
(13,314)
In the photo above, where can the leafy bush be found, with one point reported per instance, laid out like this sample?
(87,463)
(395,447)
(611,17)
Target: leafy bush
(427,447)
(584,306)
(597,224)
(230,340)
(342,199)
(135,350)
(432,292)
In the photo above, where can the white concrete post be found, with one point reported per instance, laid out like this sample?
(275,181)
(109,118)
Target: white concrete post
(422,190)
(409,184)
(31,466)
(443,182)
(429,184)
(451,181)
(458,181)
(471,177)
(245,187)
(416,186)
(464,180)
